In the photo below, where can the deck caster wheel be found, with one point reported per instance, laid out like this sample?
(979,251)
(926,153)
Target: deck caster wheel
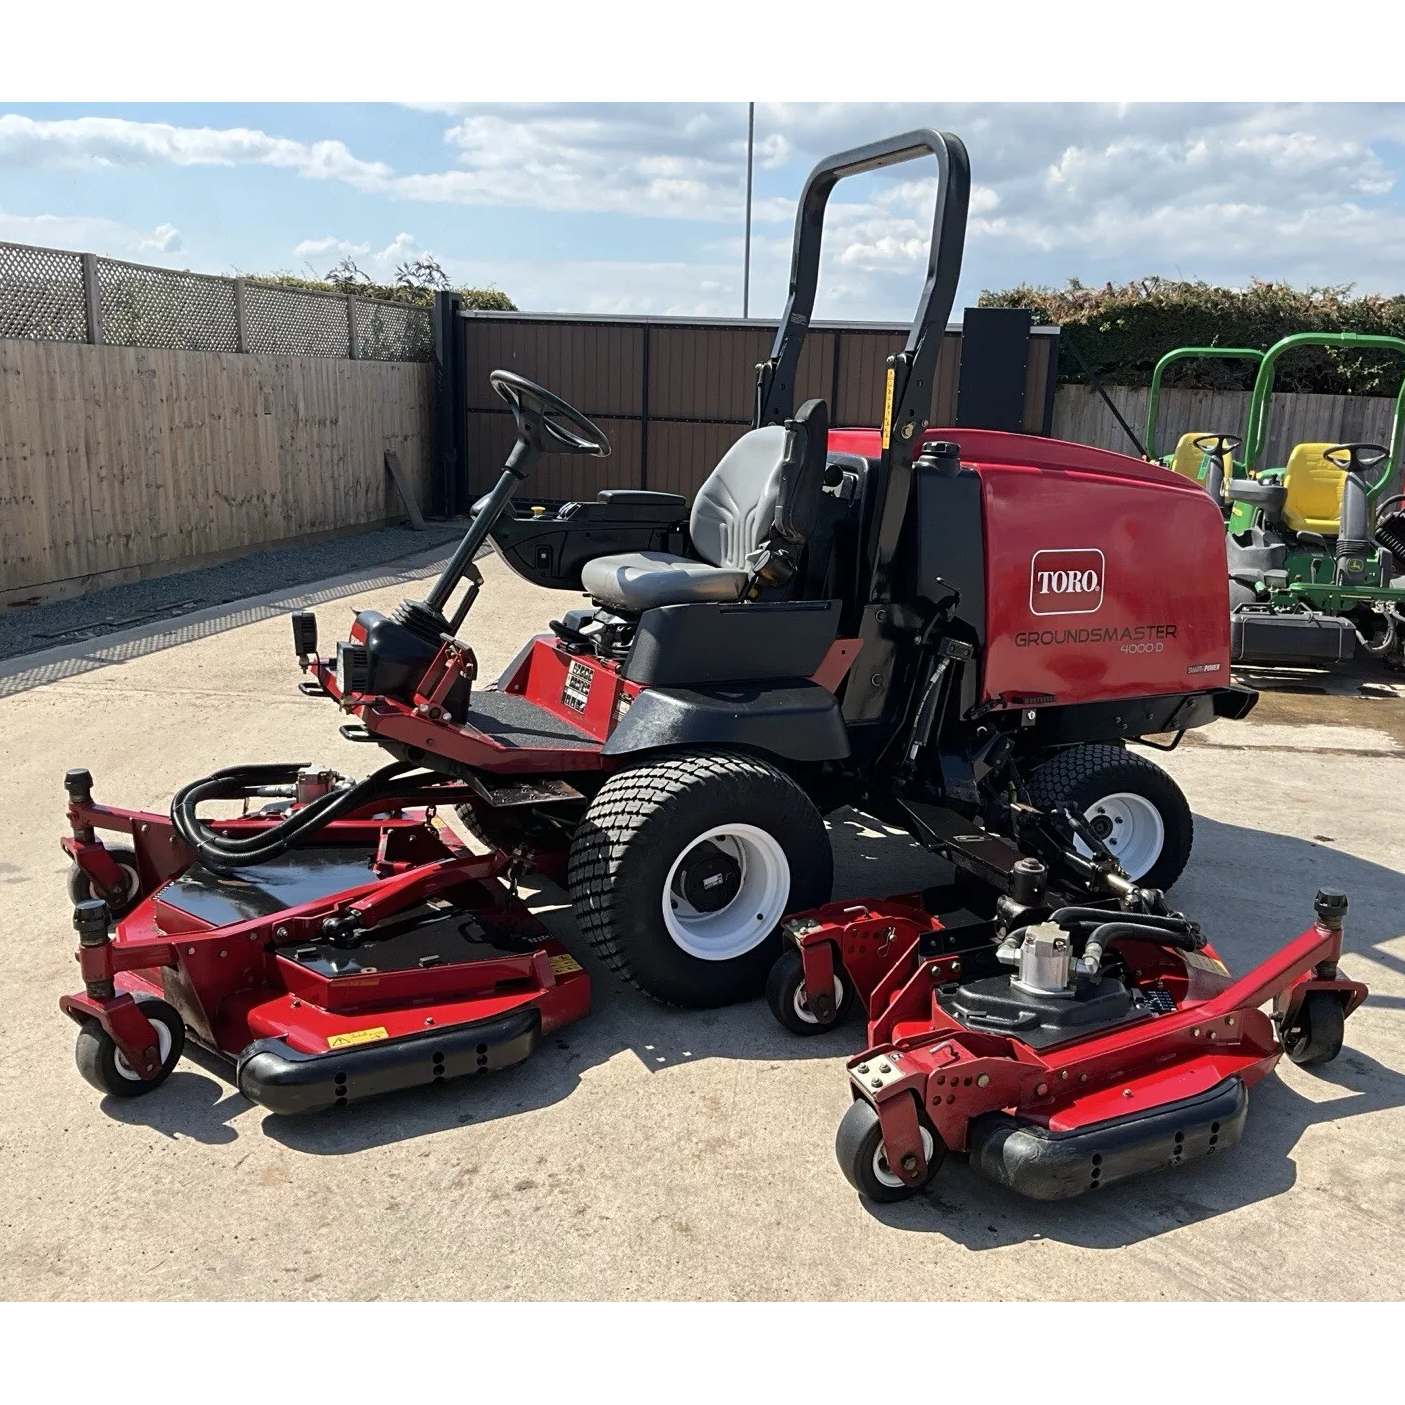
(785,994)
(80,886)
(1316,1034)
(858,1145)
(105,1066)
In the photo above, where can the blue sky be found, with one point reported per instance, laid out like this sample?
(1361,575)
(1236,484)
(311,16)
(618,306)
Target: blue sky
(638,207)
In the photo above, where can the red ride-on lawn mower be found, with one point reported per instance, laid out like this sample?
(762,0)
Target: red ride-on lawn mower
(869,617)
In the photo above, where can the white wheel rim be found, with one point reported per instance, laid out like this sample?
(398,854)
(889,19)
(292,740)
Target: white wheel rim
(751,916)
(885,1175)
(163,1050)
(802,1009)
(1135,834)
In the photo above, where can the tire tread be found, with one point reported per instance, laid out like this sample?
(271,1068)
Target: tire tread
(620,809)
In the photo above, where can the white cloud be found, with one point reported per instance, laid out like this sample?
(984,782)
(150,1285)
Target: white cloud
(118,141)
(89,234)
(164,239)
(329,244)
(1223,191)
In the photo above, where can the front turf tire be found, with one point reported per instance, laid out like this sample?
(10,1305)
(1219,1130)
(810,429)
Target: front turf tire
(1082,776)
(643,820)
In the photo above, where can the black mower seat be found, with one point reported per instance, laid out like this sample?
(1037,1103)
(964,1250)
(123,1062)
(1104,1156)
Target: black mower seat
(731,515)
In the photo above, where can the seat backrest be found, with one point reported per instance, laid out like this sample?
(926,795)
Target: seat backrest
(734,509)
(1314,491)
(1190,462)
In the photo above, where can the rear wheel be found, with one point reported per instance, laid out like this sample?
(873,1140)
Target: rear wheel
(683,867)
(1134,807)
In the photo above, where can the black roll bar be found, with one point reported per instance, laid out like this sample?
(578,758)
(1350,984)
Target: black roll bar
(910,390)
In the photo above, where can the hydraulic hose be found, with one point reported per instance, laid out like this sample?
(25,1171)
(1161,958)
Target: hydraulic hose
(1110,932)
(1386,643)
(224,853)
(1097,916)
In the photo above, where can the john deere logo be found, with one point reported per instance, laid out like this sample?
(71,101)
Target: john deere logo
(1066,582)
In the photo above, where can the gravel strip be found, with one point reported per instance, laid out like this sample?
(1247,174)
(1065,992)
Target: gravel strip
(25,630)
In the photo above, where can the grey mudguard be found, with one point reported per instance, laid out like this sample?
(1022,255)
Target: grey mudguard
(795,719)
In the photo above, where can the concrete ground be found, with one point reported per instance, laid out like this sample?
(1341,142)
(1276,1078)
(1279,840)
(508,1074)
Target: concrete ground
(653,1153)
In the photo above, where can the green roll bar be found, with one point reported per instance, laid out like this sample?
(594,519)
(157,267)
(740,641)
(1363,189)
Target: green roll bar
(1256,434)
(1186,353)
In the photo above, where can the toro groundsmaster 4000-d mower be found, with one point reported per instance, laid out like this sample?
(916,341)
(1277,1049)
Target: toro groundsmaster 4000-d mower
(957,640)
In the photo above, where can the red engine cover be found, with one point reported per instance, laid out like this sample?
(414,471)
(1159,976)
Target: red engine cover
(1105,575)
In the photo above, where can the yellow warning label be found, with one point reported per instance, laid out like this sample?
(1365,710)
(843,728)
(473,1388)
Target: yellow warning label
(356,1036)
(563,965)
(1204,963)
(888,408)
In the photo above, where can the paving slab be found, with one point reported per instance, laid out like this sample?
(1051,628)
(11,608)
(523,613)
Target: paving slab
(651,1152)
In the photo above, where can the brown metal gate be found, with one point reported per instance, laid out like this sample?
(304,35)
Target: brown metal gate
(674,394)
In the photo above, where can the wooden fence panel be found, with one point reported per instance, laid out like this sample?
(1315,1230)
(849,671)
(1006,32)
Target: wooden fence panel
(119,462)
(1081,416)
(673,396)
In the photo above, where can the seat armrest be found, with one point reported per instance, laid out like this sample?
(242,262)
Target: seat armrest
(1252,490)
(619,497)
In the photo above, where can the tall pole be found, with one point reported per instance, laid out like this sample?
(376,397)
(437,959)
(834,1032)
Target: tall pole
(750,153)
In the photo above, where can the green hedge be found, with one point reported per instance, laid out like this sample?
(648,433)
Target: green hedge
(415,283)
(1123,331)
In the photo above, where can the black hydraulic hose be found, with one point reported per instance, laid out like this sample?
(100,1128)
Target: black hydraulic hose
(224,853)
(1103,937)
(1111,931)
(1085,916)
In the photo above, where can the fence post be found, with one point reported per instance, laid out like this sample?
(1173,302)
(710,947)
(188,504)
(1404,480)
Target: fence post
(644,411)
(241,317)
(92,298)
(449,477)
(353,342)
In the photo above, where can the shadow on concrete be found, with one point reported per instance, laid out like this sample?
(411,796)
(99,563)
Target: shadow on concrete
(1252,890)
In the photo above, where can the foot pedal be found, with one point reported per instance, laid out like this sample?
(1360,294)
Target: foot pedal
(526,792)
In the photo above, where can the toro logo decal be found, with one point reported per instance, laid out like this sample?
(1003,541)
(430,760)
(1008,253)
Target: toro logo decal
(1066,582)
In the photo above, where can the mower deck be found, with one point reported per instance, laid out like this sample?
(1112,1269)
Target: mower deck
(385,957)
(959,1058)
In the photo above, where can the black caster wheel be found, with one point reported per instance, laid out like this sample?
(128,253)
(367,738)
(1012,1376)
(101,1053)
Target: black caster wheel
(80,886)
(859,1147)
(104,1065)
(1315,1036)
(785,994)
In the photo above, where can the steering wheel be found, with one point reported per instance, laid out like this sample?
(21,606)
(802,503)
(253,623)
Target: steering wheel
(1217,445)
(1360,458)
(546,421)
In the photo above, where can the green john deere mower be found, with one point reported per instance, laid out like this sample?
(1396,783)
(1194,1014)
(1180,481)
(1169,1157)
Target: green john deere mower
(1316,547)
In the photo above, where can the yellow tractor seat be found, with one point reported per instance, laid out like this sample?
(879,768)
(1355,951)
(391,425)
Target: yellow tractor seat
(1314,491)
(1189,461)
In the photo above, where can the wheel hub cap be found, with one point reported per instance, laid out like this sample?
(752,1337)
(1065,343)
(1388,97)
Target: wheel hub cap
(726,892)
(709,879)
(1131,827)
